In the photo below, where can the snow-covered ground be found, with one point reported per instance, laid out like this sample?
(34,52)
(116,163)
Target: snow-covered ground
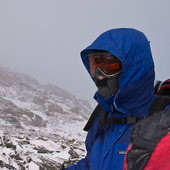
(41,125)
(32,148)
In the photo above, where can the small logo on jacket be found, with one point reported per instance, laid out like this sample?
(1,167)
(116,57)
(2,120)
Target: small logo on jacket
(122,152)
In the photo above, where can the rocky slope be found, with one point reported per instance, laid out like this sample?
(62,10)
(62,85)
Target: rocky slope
(41,125)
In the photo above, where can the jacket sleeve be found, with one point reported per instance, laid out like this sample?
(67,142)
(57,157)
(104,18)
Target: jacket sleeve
(84,164)
(81,165)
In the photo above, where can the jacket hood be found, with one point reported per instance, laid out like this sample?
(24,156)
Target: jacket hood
(137,78)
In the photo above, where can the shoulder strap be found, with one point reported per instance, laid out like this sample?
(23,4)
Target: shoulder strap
(157,86)
(159,104)
(92,118)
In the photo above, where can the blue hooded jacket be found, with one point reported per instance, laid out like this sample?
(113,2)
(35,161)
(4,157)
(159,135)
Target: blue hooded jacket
(134,98)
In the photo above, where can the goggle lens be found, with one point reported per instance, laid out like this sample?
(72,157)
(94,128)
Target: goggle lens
(107,62)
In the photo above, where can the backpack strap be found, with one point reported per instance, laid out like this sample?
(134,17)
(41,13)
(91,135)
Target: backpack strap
(124,120)
(104,121)
(157,86)
(92,118)
(159,104)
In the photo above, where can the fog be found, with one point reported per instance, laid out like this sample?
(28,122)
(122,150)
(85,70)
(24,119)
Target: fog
(44,38)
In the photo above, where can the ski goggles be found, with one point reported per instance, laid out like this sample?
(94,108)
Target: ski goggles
(107,62)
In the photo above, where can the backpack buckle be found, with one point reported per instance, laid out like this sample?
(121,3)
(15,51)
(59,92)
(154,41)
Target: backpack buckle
(131,120)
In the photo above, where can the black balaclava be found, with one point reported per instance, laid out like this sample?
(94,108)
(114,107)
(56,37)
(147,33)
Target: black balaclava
(107,86)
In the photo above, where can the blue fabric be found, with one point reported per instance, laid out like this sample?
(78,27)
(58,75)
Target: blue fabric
(135,95)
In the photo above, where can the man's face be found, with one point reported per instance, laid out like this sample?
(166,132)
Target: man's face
(105,68)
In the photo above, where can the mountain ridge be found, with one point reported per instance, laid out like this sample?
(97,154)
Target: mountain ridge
(44,113)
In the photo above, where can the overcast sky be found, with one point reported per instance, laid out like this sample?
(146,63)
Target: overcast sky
(43,38)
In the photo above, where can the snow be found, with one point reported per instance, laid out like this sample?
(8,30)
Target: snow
(33,166)
(45,128)
(57,151)
(50,145)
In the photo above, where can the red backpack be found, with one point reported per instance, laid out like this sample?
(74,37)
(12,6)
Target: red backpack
(149,147)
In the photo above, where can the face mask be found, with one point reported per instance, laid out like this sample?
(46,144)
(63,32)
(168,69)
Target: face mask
(107,86)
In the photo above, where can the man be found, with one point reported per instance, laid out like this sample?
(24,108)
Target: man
(120,63)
